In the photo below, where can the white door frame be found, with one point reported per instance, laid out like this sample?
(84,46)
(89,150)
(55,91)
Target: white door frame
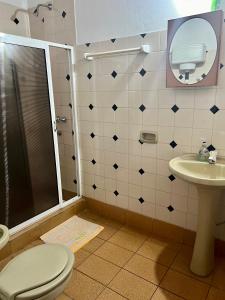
(34,43)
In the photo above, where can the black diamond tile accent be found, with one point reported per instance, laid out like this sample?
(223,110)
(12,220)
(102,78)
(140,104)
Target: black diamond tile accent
(141,200)
(114,107)
(73,157)
(64,14)
(203,75)
(175,108)
(141,171)
(70,105)
(72,132)
(173,144)
(142,107)
(214,109)
(113,40)
(115,137)
(16,21)
(211,148)
(142,72)
(143,35)
(75,181)
(92,135)
(141,142)
(221,65)
(89,76)
(172,177)
(181,77)
(116,193)
(68,77)
(88,44)
(94,186)
(91,106)
(43,20)
(170,208)
(115,166)
(93,161)
(114,74)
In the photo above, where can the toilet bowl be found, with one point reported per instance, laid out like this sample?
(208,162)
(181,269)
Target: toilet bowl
(40,273)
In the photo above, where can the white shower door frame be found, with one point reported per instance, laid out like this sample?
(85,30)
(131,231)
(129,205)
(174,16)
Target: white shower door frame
(34,43)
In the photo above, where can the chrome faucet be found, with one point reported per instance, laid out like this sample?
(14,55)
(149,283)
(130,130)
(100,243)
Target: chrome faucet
(212,157)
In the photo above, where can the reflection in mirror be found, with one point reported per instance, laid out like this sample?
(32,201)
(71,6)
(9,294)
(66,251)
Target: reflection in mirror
(193,51)
(193,46)
(61,77)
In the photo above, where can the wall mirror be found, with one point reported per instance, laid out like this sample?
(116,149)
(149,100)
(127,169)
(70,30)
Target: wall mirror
(193,46)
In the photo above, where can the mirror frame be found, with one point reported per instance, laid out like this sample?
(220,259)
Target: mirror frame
(215,19)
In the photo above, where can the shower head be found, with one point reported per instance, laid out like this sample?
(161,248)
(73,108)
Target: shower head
(14,16)
(36,11)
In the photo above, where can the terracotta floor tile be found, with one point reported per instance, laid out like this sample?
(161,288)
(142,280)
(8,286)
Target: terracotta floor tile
(161,294)
(34,244)
(80,256)
(215,294)
(128,240)
(93,245)
(163,242)
(108,294)
(184,286)
(146,268)
(132,286)
(63,297)
(99,269)
(158,251)
(81,287)
(219,274)
(107,232)
(113,253)
(5,261)
(104,221)
(89,215)
(182,264)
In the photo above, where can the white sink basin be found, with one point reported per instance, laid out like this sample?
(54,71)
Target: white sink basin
(188,168)
(4,236)
(210,182)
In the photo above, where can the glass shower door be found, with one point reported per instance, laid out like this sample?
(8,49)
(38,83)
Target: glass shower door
(28,176)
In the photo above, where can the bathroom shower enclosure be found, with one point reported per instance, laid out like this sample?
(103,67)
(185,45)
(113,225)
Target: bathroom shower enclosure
(30,169)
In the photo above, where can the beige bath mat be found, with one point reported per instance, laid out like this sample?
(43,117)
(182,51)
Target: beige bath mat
(73,233)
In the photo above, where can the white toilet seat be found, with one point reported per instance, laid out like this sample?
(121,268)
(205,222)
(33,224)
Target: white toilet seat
(36,272)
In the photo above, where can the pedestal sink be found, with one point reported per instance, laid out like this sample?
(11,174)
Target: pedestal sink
(4,236)
(210,182)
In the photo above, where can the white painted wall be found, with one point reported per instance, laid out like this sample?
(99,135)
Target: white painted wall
(98,20)
(18,3)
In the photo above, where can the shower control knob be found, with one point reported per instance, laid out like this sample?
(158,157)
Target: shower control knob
(61,119)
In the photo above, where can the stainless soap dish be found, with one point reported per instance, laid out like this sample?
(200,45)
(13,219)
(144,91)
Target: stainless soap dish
(148,137)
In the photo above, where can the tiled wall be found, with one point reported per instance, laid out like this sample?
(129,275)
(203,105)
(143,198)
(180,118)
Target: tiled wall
(117,98)
(122,95)
(58,26)
(8,26)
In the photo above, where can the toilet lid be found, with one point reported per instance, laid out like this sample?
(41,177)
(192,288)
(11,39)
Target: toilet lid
(33,268)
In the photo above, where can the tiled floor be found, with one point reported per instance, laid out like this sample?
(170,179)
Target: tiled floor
(124,264)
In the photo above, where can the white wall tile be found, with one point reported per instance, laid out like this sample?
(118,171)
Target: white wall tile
(129,90)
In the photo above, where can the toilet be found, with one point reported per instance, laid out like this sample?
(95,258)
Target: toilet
(39,273)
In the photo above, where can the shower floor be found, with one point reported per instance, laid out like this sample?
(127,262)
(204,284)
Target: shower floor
(67,195)
(122,263)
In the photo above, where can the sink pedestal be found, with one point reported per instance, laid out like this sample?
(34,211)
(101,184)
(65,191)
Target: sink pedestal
(203,255)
